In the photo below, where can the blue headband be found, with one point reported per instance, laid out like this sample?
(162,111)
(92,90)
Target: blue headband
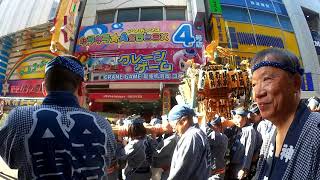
(67,62)
(178,111)
(278,65)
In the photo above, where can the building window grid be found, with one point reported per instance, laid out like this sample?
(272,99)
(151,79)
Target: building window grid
(250,17)
(164,13)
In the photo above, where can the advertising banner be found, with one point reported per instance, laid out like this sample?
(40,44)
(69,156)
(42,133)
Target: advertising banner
(139,35)
(30,66)
(215,6)
(150,51)
(160,65)
(25,88)
(124,96)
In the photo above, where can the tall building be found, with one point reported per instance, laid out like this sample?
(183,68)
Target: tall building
(304,15)
(248,26)
(31,33)
(136,51)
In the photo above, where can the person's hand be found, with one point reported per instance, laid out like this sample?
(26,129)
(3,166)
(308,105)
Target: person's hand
(167,127)
(241,174)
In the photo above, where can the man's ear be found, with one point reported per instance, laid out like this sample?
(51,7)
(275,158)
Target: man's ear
(297,82)
(81,89)
(44,90)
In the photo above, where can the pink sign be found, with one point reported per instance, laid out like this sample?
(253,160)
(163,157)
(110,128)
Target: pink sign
(165,65)
(139,35)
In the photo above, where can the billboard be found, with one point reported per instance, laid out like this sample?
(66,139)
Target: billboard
(30,66)
(160,65)
(140,51)
(139,35)
(24,88)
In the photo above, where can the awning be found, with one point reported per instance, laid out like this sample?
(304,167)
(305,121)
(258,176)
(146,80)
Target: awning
(116,97)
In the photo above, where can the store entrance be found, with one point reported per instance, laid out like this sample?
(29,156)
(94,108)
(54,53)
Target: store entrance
(126,108)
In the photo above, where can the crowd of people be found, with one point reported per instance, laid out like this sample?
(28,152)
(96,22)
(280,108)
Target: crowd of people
(277,137)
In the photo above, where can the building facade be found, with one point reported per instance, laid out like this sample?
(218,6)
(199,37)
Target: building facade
(305,21)
(35,32)
(136,51)
(248,26)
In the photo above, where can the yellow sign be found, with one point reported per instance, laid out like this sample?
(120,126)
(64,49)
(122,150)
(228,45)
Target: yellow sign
(32,69)
(219,29)
(30,66)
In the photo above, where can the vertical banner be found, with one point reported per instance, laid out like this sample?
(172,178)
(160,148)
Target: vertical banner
(215,7)
(219,29)
(166,101)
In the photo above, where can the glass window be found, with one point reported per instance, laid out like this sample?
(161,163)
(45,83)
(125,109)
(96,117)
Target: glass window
(285,23)
(151,14)
(128,15)
(234,2)
(280,9)
(259,17)
(105,17)
(235,14)
(176,14)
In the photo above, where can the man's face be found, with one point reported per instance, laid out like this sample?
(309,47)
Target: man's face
(179,126)
(274,91)
(239,120)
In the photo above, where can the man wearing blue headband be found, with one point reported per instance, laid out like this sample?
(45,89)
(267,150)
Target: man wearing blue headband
(58,139)
(190,158)
(292,149)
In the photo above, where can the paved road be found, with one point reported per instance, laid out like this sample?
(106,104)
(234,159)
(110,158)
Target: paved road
(6,170)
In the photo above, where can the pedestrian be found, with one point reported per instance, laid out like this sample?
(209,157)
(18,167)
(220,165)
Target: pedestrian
(218,145)
(262,128)
(242,145)
(292,150)
(137,151)
(190,158)
(163,155)
(58,139)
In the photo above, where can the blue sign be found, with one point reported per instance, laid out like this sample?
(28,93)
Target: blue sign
(234,2)
(261,5)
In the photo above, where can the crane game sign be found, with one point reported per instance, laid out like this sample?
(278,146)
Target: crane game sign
(140,51)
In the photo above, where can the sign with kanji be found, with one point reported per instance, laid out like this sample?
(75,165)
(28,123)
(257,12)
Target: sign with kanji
(139,35)
(163,65)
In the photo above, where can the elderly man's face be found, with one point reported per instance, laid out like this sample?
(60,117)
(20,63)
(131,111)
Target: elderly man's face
(274,91)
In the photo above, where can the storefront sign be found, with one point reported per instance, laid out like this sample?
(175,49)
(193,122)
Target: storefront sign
(166,101)
(215,7)
(143,65)
(25,88)
(124,96)
(13,102)
(64,26)
(316,41)
(139,35)
(30,66)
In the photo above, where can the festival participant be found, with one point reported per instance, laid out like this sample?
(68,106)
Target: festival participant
(58,139)
(218,145)
(242,145)
(292,149)
(138,151)
(190,158)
